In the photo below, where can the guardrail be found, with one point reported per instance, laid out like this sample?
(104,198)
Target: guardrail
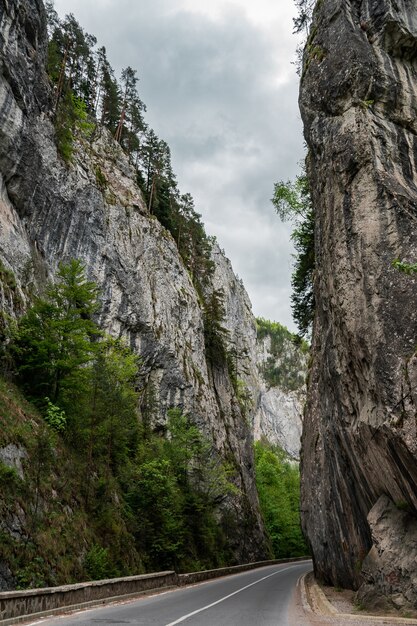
(19,606)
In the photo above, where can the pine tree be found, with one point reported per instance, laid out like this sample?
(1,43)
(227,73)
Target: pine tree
(57,336)
(110,96)
(215,334)
(131,120)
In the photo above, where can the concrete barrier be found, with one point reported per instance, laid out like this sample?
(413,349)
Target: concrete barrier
(19,606)
(16,606)
(195,577)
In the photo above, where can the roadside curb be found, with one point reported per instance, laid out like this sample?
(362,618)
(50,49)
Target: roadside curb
(315,597)
(315,601)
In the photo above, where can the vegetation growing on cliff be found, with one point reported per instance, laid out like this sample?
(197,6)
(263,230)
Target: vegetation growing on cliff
(405,268)
(305,12)
(292,202)
(286,365)
(278,483)
(130,499)
(87,96)
(101,494)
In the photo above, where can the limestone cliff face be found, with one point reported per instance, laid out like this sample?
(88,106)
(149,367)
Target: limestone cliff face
(50,212)
(282,371)
(274,408)
(358,102)
(279,419)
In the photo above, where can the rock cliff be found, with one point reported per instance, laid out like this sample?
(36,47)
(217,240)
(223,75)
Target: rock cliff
(282,366)
(358,102)
(51,211)
(270,365)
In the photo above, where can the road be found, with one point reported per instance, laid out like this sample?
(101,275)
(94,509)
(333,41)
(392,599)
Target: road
(260,597)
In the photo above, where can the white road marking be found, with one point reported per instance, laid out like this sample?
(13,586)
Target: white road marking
(204,608)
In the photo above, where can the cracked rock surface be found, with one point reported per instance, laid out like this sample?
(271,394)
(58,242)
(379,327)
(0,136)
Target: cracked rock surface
(358,101)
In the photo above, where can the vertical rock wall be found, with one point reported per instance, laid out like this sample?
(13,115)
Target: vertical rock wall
(274,409)
(358,102)
(50,211)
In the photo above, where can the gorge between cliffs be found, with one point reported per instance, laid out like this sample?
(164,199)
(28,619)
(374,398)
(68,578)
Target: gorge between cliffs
(134,374)
(149,420)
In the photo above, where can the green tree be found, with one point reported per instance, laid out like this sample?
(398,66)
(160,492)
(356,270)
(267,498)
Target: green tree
(177,485)
(286,367)
(278,484)
(292,202)
(71,119)
(215,334)
(156,501)
(131,120)
(57,336)
(109,96)
(113,419)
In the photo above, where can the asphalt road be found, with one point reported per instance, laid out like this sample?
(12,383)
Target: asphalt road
(259,597)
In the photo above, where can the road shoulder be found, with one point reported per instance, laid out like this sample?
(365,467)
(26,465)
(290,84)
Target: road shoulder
(325,605)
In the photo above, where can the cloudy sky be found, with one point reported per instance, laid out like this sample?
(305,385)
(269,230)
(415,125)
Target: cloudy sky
(220,88)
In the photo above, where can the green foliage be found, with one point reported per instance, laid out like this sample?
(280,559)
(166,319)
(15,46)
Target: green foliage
(316,52)
(405,268)
(12,296)
(130,121)
(305,12)
(55,338)
(71,119)
(87,94)
(290,199)
(292,202)
(177,485)
(278,483)
(157,501)
(55,417)
(111,421)
(151,498)
(108,112)
(176,212)
(101,179)
(302,282)
(7,278)
(302,24)
(244,396)
(9,477)
(403,505)
(63,129)
(215,334)
(365,104)
(81,119)
(97,563)
(32,574)
(286,366)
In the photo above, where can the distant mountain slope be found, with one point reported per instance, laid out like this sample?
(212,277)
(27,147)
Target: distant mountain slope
(282,364)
